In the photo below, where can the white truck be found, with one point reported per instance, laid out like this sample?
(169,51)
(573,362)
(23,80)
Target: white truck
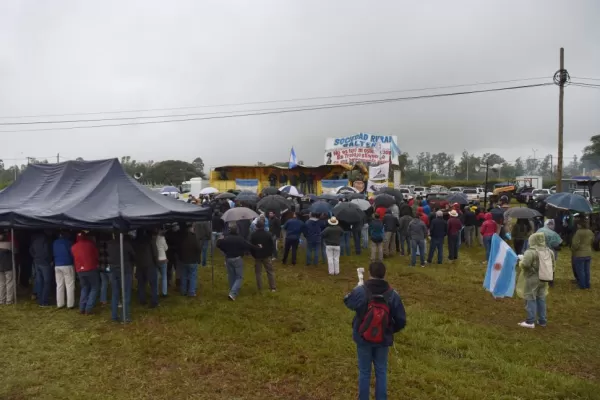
(193,187)
(535,181)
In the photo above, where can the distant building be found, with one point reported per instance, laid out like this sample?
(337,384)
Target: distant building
(590,183)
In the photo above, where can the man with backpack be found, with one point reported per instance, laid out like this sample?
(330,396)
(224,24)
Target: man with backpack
(377,234)
(538,268)
(379,314)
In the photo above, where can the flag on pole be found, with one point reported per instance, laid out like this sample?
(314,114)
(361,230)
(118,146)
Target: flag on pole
(395,150)
(293,159)
(501,274)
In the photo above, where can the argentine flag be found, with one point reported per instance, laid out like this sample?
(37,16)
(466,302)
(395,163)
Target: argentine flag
(501,274)
(293,159)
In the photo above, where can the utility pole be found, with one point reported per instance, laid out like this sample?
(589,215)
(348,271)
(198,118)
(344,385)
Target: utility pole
(468,167)
(57,158)
(560,78)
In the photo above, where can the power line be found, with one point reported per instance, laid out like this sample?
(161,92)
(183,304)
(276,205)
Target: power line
(586,79)
(585,85)
(283,111)
(272,101)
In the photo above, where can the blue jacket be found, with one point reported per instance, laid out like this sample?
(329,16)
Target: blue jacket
(293,228)
(313,231)
(357,302)
(426,208)
(438,228)
(61,248)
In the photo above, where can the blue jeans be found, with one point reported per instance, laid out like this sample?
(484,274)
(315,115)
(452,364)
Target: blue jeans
(356,236)
(235,274)
(372,355)
(43,283)
(487,243)
(582,271)
(414,245)
(189,279)
(404,240)
(345,243)
(204,252)
(312,253)
(104,280)
(164,281)
(365,236)
(148,276)
(436,244)
(115,283)
(533,307)
(90,283)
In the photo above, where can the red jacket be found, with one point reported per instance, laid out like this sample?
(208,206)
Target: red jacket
(489,227)
(454,226)
(381,211)
(85,255)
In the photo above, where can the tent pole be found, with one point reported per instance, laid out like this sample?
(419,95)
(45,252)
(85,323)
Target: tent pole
(14,267)
(212,252)
(123,277)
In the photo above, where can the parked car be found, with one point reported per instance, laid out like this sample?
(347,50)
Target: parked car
(581,192)
(437,200)
(406,192)
(456,189)
(538,193)
(525,193)
(553,189)
(420,191)
(471,193)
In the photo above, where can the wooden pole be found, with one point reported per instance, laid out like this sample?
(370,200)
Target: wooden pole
(561,98)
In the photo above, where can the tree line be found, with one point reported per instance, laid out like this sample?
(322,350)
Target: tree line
(168,172)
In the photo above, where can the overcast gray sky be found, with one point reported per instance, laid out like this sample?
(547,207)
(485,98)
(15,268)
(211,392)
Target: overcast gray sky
(80,56)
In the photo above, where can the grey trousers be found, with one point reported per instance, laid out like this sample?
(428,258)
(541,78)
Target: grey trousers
(259,263)
(7,287)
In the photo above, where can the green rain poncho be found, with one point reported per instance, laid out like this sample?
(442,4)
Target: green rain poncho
(529,285)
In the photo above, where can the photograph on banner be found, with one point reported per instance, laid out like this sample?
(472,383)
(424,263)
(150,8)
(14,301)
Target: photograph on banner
(362,147)
(329,186)
(378,177)
(359,186)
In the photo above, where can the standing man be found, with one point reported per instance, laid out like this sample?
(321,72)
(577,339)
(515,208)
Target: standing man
(313,240)
(64,271)
(373,336)
(114,259)
(391,225)
(377,235)
(417,231)
(146,262)
(470,226)
(454,227)
(403,230)
(189,254)
(262,256)
(41,254)
(275,231)
(234,247)
(437,232)
(293,228)
(310,181)
(85,256)
(203,233)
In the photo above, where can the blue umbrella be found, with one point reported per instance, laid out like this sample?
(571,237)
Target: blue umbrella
(327,196)
(320,207)
(312,197)
(169,189)
(458,198)
(569,201)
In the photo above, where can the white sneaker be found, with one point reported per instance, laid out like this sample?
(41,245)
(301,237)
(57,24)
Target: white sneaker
(526,325)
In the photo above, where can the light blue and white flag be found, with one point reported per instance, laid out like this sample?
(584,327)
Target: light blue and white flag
(501,274)
(395,150)
(330,186)
(293,159)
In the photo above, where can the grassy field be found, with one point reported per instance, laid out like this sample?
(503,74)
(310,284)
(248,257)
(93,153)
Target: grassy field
(459,342)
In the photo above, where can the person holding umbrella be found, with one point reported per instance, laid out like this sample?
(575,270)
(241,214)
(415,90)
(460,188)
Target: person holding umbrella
(581,250)
(391,225)
(275,231)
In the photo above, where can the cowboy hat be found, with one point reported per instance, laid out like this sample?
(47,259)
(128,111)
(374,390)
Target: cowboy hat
(453,213)
(333,221)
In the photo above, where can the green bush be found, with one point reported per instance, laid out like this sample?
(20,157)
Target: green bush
(470,183)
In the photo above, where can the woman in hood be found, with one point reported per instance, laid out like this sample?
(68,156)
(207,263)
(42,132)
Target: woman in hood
(426,208)
(535,290)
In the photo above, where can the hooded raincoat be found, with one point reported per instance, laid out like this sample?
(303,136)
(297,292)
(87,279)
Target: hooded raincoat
(534,288)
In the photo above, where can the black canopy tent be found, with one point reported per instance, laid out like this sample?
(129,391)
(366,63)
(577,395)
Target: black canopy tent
(95,195)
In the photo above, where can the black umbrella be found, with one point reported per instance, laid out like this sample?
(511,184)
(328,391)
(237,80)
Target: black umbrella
(569,201)
(275,203)
(349,213)
(346,189)
(352,196)
(392,192)
(226,195)
(384,200)
(522,212)
(457,198)
(269,191)
(320,207)
(327,196)
(247,197)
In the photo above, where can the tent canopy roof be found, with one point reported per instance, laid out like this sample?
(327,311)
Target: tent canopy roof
(88,194)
